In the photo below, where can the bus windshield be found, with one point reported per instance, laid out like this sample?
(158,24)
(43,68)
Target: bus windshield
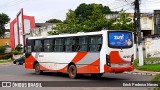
(120,39)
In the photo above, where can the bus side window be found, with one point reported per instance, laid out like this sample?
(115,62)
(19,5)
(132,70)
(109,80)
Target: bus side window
(69,44)
(95,43)
(29,46)
(81,44)
(48,44)
(99,41)
(38,46)
(58,45)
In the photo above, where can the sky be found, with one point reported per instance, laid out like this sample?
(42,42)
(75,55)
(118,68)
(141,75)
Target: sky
(44,10)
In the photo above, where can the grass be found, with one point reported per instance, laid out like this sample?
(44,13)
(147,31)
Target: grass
(156,78)
(151,67)
(148,67)
(151,59)
(4,61)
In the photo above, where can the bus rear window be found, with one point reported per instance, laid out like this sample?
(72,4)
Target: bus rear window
(120,39)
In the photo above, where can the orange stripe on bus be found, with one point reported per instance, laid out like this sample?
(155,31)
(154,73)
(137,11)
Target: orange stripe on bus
(79,56)
(91,68)
(76,59)
(115,57)
(29,62)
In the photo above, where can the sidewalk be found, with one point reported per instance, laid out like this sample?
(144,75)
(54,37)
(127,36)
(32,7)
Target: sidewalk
(151,72)
(6,63)
(140,72)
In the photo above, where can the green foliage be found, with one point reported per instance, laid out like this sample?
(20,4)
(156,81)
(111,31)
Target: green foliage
(4,19)
(5,56)
(150,67)
(53,21)
(19,47)
(156,78)
(83,11)
(91,17)
(16,52)
(2,49)
(123,22)
(53,32)
(5,61)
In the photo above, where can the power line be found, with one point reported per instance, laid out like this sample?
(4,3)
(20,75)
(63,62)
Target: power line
(120,6)
(129,3)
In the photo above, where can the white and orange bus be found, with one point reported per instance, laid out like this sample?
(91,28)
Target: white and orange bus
(82,53)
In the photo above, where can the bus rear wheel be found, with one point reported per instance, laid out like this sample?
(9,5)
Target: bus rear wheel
(37,69)
(72,71)
(97,75)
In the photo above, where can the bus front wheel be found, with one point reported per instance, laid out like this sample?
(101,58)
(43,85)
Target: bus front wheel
(37,69)
(72,71)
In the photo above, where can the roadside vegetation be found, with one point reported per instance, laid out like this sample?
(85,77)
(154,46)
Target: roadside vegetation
(156,78)
(148,67)
(5,61)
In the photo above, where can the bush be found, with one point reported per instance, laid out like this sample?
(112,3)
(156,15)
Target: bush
(16,52)
(2,49)
(19,47)
(5,56)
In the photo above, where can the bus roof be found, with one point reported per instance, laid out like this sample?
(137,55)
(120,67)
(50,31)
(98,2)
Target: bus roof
(74,34)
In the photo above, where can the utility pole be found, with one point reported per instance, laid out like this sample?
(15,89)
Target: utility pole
(138,38)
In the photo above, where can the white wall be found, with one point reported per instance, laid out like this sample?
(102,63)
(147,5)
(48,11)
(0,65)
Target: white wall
(16,34)
(152,47)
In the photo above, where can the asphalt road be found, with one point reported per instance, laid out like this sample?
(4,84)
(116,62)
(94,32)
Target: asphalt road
(19,73)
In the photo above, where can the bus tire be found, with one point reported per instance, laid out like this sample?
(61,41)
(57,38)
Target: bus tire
(72,71)
(37,69)
(97,75)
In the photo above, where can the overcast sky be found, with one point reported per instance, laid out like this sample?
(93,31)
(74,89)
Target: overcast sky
(47,9)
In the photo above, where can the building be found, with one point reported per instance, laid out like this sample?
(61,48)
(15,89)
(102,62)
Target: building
(42,29)
(5,42)
(5,39)
(157,21)
(20,28)
(147,22)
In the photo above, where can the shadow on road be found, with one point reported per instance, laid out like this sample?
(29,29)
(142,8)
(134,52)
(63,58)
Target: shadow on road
(81,76)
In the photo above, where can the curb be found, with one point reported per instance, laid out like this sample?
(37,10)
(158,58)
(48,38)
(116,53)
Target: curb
(7,63)
(140,73)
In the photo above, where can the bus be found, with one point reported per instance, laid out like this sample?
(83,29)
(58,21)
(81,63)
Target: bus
(93,53)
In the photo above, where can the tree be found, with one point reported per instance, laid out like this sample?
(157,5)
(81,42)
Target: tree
(91,17)
(84,10)
(86,18)
(53,21)
(70,25)
(4,19)
(123,22)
